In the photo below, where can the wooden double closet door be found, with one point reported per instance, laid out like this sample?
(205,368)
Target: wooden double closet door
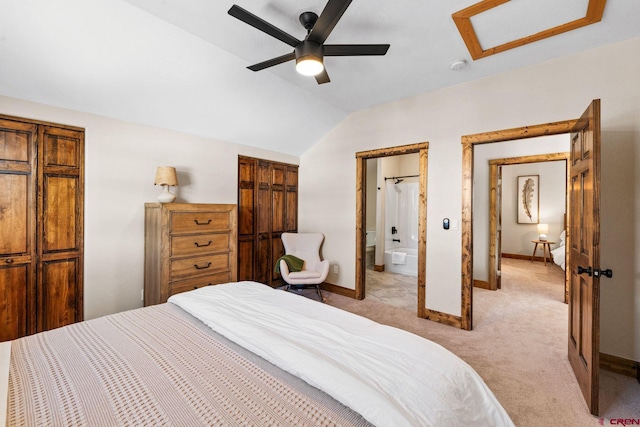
(267,207)
(41,226)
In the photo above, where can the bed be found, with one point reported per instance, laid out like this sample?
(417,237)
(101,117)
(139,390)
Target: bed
(240,354)
(559,254)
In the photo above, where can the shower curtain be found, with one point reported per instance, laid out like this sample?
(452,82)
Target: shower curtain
(401,212)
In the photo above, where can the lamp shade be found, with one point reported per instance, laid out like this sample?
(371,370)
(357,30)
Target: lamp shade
(543,229)
(166,175)
(309,66)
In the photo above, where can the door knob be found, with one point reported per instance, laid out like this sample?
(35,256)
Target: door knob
(584,270)
(606,273)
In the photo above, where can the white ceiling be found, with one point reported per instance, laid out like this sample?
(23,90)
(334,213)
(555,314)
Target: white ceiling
(181,64)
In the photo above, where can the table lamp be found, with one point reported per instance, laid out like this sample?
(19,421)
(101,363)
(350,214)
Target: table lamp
(166,176)
(543,229)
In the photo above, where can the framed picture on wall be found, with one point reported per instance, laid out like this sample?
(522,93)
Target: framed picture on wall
(528,199)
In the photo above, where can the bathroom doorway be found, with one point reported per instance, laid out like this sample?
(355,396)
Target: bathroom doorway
(391,226)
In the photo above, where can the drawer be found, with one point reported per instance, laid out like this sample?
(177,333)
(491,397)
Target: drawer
(199,222)
(197,244)
(199,266)
(191,284)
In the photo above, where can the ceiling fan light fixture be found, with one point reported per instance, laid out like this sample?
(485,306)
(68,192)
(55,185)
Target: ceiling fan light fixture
(309,56)
(309,66)
(309,53)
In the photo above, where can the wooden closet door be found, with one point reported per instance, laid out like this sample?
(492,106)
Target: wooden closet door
(267,207)
(61,222)
(17,229)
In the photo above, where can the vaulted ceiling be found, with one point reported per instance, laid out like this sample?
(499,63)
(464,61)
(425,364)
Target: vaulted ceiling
(181,64)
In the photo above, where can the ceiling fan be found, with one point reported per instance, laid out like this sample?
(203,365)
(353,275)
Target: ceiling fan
(309,53)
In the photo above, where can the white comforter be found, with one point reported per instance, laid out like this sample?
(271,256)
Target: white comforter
(559,255)
(390,376)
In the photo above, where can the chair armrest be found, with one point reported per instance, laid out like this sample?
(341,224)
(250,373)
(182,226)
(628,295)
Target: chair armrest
(284,270)
(323,268)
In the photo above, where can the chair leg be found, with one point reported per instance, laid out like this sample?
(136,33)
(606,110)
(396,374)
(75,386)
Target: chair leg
(319,293)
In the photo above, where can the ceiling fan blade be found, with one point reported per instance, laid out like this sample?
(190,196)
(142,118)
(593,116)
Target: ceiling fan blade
(355,49)
(271,62)
(262,25)
(323,77)
(328,19)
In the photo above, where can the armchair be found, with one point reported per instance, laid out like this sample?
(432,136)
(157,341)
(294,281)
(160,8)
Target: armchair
(305,246)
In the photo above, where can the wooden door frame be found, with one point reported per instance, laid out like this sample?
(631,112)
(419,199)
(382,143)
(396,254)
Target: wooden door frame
(468,144)
(361,183)
(493,207)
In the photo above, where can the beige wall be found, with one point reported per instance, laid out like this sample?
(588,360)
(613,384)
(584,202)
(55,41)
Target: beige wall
(516,238)
(121,159)
(557,90)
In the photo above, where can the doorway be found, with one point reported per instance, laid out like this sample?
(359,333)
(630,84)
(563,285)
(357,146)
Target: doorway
(554,219)
(361,216)
(468,144)
(583,238)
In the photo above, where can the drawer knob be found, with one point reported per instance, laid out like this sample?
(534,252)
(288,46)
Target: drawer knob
(198,267)
(201,223)
(9,261)
(202,246)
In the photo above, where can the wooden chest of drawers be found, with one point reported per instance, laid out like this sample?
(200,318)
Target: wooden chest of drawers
(188,246)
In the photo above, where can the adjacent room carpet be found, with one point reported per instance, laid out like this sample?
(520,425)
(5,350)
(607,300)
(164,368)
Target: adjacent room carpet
(519,346)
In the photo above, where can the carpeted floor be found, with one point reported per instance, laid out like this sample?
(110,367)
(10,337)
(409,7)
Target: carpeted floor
(519,347)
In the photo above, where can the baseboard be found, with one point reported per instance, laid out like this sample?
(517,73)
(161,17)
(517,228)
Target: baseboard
(335,289)
(526,257)
(481,284)
(620,365)
(444,318)
(378,267)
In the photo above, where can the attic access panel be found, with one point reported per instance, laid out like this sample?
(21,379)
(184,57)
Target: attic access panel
(462,19)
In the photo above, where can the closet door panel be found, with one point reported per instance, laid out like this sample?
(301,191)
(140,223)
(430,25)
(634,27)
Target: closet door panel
(61,214)
(277,249)
(14,214)
(246,197)
(61,148)
(60,299)
(14,305)
(291,209)
(246,217)
(263,265)
(14,144)
(245,259)
(277,198)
